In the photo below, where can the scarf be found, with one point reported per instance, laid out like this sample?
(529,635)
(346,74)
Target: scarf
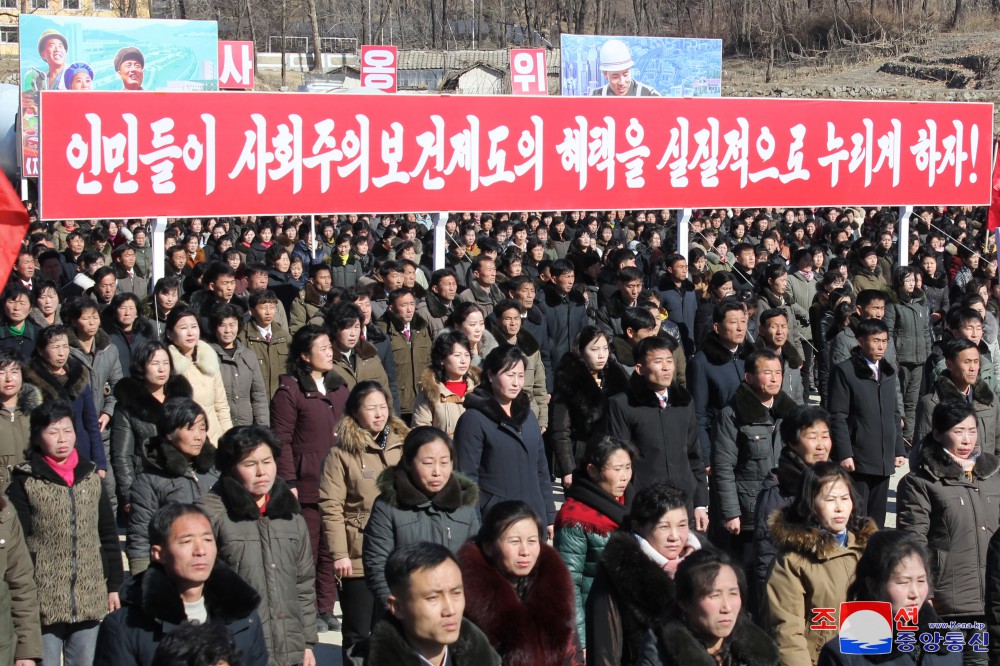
(65,469)
(967,464)
(669,566)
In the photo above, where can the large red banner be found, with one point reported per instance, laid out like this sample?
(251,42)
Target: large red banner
(194,154)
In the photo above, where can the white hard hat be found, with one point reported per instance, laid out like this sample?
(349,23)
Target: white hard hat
(615,56)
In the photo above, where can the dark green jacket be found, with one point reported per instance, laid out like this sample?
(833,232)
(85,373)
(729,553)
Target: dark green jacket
(20,628)
(909,326)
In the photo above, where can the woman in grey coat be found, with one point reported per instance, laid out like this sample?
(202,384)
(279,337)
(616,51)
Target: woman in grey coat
(908,317)
(241,375)
(178,466)
(422,499)
(261,534)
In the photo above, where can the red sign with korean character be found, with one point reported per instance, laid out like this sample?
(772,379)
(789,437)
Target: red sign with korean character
(194,154)
(528,75)
(378,67)
(236,65)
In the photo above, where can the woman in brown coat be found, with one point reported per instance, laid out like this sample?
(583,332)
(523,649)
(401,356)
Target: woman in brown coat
(444,384)
(820,537)
(371,441)
(305,411)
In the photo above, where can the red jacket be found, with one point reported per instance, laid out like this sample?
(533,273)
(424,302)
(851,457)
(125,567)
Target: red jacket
(305,421)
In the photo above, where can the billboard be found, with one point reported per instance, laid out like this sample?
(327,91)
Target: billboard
(236,65)
(665,66)
(195,154)
(87,53)
(528,73)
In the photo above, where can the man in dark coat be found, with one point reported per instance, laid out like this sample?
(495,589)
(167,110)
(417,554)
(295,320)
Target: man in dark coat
(483,289)
(565,309)
(425,622)
(611,311)
(522,289)
(679,298)
(411,346)
(657,415)
(866,419)
(185,583)
(716,371)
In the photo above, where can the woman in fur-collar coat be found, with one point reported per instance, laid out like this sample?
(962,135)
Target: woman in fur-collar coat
(528,621)
(204,372)
(674,644)
(579,403)
(168,475)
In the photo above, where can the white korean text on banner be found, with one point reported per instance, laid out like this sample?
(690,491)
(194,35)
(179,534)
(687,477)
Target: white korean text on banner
(236,70)
(378,67)
(528,74)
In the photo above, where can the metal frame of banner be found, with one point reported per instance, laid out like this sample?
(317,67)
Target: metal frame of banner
(903,235)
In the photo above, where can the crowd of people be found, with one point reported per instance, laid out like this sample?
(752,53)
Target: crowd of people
(302,412)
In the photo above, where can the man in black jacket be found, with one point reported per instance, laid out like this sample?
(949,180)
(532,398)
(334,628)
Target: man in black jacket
(565,309)
(865,418)
(657,415)
(424,623)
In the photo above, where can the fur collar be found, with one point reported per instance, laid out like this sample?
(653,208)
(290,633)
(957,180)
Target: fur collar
(434,390)
(918,297)
(482,400)
(644,396)
(101,341)
(525,340)
(365,351)
(394,323)
(436,307)
(789,470)
(748,645)
(331,381)
(389,646)
(355,440)
(935,461)
(642,589)
(938,281)
(573,376)
(789,355)
(227,596)
(812,541)
(716,353)
(750,410)
(775,301)
(168,459)
(534,628)
(555,298)
(312,296)
(205,359)
(864,371)
(240,506)
(77,379)
(133,396)
(947,390)
(398,490)
(668,284)
(29,398)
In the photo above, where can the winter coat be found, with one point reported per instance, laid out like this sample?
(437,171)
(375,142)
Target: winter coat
(71,537)
(305,422)
(956,533)
(609,314)
(244,384)
(865,416)
(403,514)
(667,439)
(812,570)
(768,300)
(534,322)
(844,343)
(365,365)
(713,375)
(272,356)
(909,326)
(936,289)
(410,356)
(864,278)
(791,370)
(435,312)
(778,491)
(105,372)
(534,374)
(77,392)
(15,431)
(504,454)
(681,303)
(579,408)
(20,627)
(629,595)
(583,526)
(530,623)
(437,406)
(388,647)
(802,293)
(143,331)
(935,366)
(137,413)
(987,408)
(348,487)
(273,553)
(22,345)
(309,301)
(565,316)
(674,644)
(204,374)
(485,299)
(745,446)
(166,476)
(345,274)
(152,608)
(832,656)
